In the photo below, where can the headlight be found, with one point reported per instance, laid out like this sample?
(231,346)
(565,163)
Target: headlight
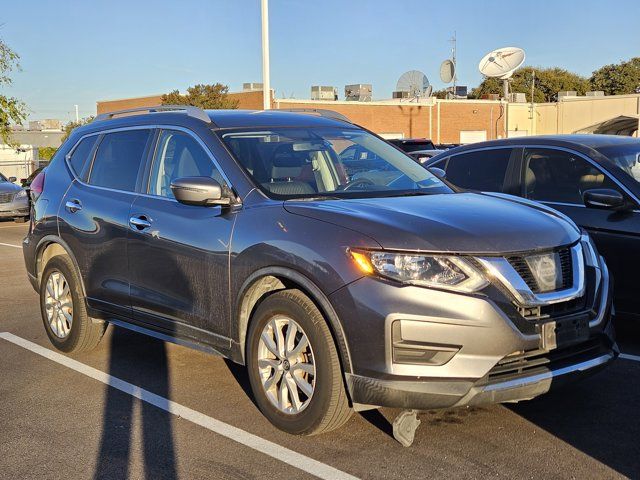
(439,271)
(21,194)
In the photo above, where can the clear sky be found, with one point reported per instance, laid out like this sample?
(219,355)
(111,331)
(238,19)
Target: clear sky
(78,52)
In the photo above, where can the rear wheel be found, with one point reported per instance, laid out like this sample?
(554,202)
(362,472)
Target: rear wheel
(63,309)
(293,365)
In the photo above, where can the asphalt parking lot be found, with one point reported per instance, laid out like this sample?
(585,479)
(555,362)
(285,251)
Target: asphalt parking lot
(171,412)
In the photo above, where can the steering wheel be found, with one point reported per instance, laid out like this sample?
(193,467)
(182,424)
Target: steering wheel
(358,181)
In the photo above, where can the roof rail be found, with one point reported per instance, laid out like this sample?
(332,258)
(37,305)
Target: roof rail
(318,111)
(191,111)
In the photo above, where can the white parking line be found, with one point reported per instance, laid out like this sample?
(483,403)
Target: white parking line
(14,226)
(9,245)
(297,460)
(627,356)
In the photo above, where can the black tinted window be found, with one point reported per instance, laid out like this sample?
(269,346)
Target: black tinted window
(483,170)
(81,154)
(118,159)
(558,176)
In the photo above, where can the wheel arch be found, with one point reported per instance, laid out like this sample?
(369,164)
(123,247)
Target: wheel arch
(49,247)
(272,279)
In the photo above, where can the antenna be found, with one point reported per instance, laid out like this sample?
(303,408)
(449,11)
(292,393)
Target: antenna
(454,45)
(414,84)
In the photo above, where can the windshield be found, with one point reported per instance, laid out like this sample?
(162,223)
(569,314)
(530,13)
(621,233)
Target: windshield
(627,157)
(329,162)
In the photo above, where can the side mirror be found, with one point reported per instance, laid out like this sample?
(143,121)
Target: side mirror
(199,191)
(604,198)
(438,172)
(12,179)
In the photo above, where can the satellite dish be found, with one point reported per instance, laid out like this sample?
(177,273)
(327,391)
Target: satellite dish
(501,62)
(414,82)
(429,91)
(447,71)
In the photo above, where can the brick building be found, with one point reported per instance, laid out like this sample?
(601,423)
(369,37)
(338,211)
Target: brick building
(444,121)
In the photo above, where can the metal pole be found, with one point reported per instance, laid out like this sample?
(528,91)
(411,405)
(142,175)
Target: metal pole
(77,115)
(505,84)
(533,113)
(266,86)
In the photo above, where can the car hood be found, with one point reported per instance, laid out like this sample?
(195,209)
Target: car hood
(6,187)
(462,223)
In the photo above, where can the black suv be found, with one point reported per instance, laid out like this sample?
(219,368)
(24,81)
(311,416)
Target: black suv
(244,234)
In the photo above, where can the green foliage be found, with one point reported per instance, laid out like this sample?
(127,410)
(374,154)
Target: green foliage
(549,81)
(11,109)
(68,128)
(214,96)
(46,153)
(441,94)
(617,79)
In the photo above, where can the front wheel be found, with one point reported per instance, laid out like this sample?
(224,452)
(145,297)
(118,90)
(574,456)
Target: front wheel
(293,365)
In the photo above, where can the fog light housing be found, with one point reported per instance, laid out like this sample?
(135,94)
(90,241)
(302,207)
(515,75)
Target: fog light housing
(411,352)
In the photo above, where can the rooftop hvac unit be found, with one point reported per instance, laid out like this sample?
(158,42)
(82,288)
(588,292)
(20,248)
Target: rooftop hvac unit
(567,93)
(595,93)
(518,97)
(251,87)
(491,96)
(319,92)
(360,92)
(400,95)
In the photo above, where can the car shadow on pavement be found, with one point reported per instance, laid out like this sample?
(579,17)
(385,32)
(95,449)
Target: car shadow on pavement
(131,355)
(589,416)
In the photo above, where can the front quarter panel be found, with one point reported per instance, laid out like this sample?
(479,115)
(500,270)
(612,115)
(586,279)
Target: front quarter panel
(266,236)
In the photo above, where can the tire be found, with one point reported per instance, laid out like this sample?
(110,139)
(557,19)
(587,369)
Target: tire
(328,406)
(82,333)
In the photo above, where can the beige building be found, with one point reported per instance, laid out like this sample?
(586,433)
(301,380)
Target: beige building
(446,121)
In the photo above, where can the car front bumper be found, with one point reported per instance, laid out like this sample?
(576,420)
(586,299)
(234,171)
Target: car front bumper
(478,354)
(15,208)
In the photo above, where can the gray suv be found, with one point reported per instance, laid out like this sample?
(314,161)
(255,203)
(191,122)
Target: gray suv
(340,287)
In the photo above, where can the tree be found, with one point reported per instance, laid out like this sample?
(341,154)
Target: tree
(46,153)
(68,128)
(549,81)
(214,96)
(617,79)
(11,109)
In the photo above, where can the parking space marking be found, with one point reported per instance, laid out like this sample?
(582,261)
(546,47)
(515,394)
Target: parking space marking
(295,459)
(24,225)
(9,245)
(626,356)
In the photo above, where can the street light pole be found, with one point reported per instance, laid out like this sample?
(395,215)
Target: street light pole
(77,116)
(266,87)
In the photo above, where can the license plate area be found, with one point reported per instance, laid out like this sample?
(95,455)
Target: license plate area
(563,333)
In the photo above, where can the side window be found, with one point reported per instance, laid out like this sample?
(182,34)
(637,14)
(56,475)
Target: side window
(483,170)
(558,176)
(80,155)
(118,159)
(178,155)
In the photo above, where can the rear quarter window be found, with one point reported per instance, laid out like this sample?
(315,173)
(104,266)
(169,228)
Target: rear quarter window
(79,158)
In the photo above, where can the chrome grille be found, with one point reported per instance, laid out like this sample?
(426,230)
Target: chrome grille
(6,197)
(519,264)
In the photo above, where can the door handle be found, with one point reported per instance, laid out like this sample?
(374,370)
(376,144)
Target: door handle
(73,206)
(140,222)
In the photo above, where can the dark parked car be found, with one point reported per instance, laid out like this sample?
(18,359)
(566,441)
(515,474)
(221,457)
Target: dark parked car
(593,179)
(14,202)
(26,182)
(241,233)
(412,144)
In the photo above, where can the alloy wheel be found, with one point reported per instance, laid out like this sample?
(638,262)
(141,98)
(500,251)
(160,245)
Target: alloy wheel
(58,304)
(286,365)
